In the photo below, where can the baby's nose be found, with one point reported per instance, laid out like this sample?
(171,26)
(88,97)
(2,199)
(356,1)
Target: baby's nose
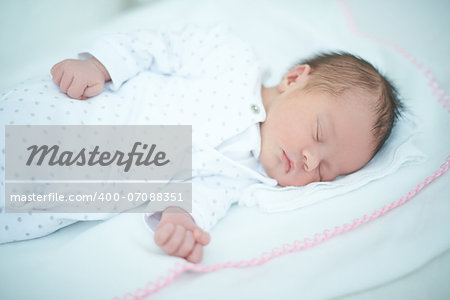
(310,160)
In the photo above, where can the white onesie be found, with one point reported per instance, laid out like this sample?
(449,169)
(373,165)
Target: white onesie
(237,166)
(204,77)
(227,76)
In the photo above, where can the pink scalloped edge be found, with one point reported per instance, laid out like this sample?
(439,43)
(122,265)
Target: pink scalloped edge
(299,245)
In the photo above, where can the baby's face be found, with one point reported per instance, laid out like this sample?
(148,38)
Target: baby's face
(310,137)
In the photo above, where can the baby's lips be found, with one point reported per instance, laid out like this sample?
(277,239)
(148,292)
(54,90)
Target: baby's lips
(287,164)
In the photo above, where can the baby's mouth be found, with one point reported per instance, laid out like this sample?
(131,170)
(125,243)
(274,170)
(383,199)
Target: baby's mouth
(286,162)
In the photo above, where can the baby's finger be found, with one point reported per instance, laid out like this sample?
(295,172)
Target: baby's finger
(201,236)
(163,234)
(197,234)
(196,255)
(205,238)
(56,67)
(57,75)
(175,240)
(65,82)
(76,89)
(187,245)
(93,90)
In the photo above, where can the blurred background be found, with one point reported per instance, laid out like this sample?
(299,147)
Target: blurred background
(33,33)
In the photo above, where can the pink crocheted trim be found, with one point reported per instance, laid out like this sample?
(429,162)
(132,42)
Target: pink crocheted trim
(298,245)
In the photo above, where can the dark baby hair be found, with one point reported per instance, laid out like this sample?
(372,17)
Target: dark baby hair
(337,72)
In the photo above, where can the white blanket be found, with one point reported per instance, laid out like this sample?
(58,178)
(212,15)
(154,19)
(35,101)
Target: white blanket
(119,256)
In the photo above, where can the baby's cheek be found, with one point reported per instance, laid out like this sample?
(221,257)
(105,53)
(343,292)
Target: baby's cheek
(267,160)
(298,179)
(268,165)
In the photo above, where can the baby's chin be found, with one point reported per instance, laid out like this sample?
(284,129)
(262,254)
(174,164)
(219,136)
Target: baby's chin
(285,179)
(293,182)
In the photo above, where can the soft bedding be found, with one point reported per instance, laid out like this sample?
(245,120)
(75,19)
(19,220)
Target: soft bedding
(100,260)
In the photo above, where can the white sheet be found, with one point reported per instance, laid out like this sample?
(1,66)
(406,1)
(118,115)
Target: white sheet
(83,264)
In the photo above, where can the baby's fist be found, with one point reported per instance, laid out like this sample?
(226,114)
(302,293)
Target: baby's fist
(178,235)
(80,79)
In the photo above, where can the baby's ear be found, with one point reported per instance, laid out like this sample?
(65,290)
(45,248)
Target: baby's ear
(297,76)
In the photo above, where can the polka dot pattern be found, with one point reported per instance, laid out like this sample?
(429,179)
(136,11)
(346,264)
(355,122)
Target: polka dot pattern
(204,77)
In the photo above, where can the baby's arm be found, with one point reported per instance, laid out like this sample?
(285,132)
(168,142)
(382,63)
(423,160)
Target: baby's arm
(124,55)
(80,79)
(117,57)
(178,235)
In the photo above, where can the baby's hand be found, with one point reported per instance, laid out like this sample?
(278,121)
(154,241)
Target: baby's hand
(178,235)
(80,79)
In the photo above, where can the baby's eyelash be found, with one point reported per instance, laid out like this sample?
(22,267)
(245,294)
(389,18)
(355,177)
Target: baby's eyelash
(317,131)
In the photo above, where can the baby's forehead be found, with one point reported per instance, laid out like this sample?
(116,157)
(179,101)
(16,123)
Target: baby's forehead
(352,99)
(347,112)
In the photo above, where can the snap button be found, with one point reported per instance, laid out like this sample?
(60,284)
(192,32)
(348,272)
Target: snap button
(254,108)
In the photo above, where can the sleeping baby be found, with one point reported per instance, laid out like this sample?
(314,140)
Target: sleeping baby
(327,117)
